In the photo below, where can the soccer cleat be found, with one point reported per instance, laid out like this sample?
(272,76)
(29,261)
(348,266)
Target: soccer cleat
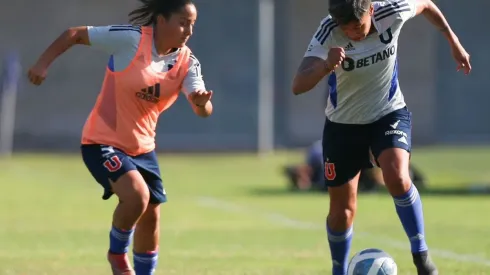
(424,264)
(120,264)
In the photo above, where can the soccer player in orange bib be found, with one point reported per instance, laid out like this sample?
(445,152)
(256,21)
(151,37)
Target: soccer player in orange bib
(149,65)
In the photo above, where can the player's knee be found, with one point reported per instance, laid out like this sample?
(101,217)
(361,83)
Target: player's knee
(151,217)
(394,164)
(343,205)
(342,212)
(139,203)
(131,189)
(397,181)
(342,218)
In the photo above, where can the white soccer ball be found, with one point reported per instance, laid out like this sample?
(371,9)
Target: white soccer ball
(372,261)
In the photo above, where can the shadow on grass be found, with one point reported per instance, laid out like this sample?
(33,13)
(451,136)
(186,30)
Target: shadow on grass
(466,190)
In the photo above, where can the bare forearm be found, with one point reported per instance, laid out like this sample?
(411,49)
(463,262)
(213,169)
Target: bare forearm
(203,111)
(435,16)
(308,76)
(64,42)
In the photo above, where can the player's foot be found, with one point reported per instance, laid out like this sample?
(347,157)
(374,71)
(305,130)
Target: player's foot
(424,264)
(120,264)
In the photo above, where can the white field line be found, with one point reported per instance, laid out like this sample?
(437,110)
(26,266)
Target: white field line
(285,221)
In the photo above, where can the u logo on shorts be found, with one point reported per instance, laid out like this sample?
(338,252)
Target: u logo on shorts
(330,173)
(113,163)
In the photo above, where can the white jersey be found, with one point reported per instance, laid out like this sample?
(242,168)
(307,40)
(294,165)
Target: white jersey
(365,87)
(122,41)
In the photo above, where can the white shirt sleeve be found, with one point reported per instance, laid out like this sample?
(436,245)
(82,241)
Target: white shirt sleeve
(321,40)
(388,12)
(114,38)
(193,81)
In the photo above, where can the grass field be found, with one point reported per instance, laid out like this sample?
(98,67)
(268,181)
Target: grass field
(230,214)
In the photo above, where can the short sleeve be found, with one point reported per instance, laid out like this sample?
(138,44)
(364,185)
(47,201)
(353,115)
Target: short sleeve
(321,40)
(386,13)
(193,80)
(114,38)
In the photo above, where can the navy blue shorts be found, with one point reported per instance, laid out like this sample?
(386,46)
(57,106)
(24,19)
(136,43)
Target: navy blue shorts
(346,147)
(108,163)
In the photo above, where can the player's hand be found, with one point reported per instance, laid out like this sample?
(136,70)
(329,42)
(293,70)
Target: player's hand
(461,57)
(335,58)
(37,74)
(200,98)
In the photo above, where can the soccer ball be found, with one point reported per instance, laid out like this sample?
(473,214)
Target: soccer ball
(372,261)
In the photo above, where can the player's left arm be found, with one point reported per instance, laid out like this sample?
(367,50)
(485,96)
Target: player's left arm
(195,90)
(435,16)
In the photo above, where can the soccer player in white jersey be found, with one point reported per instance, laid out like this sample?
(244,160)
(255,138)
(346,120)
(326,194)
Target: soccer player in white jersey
(356,47)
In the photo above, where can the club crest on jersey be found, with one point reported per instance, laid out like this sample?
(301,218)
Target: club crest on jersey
(349,64)
(386,37)
(150,94)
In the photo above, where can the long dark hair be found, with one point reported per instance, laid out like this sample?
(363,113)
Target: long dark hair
(146,14)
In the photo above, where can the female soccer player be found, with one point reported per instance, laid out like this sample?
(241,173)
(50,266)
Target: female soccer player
(149,64)
(356,46)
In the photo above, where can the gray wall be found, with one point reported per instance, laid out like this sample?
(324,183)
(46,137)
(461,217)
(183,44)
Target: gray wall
(463,107)
(447,107)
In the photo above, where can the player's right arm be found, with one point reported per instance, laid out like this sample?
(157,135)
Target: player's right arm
(70,37)
(313,69)
(108,38)
(318,61)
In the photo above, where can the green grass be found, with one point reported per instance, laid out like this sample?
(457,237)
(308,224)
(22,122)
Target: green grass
(229,214)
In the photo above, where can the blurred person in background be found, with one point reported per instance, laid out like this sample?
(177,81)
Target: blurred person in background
(309,175)
(149,64)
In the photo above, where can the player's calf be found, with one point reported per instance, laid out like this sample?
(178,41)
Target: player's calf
(146,239)
(343,205)
(394,164)
(133,199)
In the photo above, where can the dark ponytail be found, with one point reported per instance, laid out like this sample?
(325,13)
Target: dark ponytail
(146,14)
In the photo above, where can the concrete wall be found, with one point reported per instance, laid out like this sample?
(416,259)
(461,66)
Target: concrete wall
(447,107)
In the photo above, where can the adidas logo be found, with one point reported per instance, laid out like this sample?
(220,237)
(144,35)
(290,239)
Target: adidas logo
(150,94)
(349,47)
